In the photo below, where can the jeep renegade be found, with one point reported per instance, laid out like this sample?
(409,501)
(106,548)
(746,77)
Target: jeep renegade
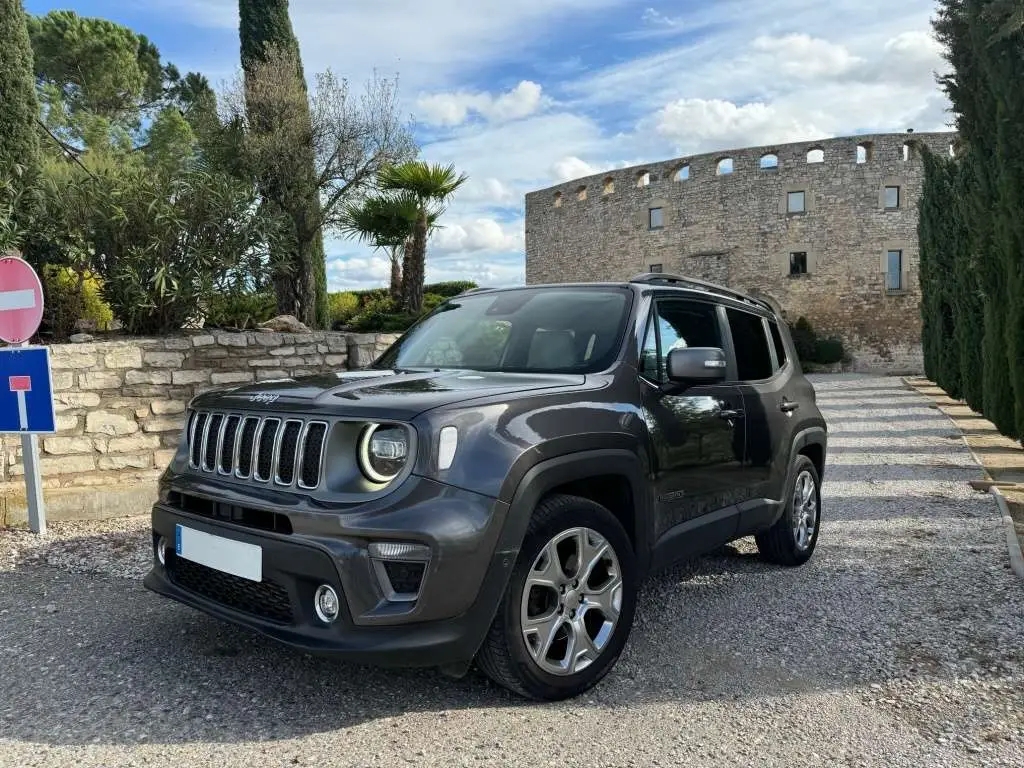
(498,483)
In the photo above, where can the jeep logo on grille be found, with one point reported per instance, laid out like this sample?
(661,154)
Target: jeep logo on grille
(263,397)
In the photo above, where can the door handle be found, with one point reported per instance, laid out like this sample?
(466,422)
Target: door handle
(730,414)
(788,406)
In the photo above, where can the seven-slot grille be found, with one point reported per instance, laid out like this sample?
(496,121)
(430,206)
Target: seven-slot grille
(267,449)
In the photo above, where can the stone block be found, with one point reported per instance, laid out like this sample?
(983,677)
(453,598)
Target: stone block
(336,360)
(79,357)
(106,423)
(163,457)
(177,343)
(132,444)
(165,359)
(125,461)
(203,340)
(62,380)
(62,446)
(284,351)
(232,339)
(210,353)
(360,356)
(266,362)
(64,465)
(165,407)
(268,339)
(99,380)
(263,374)
(146,390)
(232,377)
(65,400)
(163,425)
(66,422)
(123,357)
(190,377)
(305,349)
(147,377)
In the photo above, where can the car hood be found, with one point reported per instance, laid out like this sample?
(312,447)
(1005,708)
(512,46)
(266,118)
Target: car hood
(385,393)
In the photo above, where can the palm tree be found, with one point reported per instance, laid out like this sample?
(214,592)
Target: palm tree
(430,186)
(386,222)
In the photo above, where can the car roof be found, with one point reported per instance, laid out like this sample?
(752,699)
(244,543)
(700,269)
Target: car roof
(658,280)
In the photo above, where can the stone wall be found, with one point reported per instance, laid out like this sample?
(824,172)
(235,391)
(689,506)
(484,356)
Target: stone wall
(120,410)
(734,228)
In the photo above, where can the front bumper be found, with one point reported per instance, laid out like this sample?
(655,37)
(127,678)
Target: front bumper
(461,587)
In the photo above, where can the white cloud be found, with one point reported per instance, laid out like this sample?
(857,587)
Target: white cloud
(480,234)
(569,168)
(450,109)
(806,57)
(697,124)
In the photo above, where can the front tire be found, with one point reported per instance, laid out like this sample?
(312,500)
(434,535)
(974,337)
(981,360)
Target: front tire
(569,606)
(791,541)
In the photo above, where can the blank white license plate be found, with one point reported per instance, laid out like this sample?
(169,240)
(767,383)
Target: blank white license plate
(227,555)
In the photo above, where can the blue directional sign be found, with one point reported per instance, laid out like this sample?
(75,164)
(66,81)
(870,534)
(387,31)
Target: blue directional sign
(26,391)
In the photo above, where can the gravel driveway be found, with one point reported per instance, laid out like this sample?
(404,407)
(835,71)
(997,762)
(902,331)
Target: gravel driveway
(900,644)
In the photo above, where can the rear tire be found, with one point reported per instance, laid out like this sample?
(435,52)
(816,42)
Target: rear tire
(562,625)
(791,541)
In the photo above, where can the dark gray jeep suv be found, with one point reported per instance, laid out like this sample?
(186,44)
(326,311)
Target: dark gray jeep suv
(496,486)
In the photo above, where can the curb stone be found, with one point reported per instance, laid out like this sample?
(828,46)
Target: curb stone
(1012,542)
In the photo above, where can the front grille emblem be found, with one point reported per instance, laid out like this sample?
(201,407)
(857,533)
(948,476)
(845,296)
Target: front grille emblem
(263,397)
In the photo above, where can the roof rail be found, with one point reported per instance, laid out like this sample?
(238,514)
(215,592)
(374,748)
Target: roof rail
(651,278)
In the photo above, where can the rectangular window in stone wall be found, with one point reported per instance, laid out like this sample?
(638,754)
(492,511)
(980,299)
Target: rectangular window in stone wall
(795,202)
(894,272)
(892,197)
(657,218)
(798,263)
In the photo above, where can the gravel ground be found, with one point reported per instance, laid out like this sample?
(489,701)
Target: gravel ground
(900,644)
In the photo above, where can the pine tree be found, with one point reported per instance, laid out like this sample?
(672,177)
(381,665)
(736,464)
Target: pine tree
(19,109)
(265,29)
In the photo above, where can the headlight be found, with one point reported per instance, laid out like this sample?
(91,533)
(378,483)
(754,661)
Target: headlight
(383,451)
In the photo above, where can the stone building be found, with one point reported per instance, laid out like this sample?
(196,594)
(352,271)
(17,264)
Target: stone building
(827,229)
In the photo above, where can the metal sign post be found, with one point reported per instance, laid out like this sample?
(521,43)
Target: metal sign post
(26,386)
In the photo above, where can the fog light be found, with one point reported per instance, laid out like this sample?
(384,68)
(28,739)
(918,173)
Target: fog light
(161,550)
(326,604)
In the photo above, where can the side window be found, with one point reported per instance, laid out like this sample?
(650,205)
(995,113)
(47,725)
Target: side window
(780,348)
(752,353)
(677,324)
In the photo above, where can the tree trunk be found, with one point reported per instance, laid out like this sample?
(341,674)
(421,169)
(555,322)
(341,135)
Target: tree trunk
(415,266)
(396,276)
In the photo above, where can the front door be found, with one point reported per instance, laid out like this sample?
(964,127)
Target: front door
(697,434)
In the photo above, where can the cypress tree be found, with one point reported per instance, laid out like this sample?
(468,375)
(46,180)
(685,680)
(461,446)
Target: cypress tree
(264,25)
(19,109)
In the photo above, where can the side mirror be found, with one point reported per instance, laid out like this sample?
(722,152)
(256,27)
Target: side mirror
(696,365)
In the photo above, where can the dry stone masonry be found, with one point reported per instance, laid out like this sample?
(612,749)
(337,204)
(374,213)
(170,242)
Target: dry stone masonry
(729,217)
(120,409)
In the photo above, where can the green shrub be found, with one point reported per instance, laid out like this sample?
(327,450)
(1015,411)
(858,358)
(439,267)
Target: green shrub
(449,289)
(70,298)
(240,310)
(804,339)
(342,307)
(829,351)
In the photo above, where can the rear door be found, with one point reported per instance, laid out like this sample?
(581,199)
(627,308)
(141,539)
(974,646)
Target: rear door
(764,375)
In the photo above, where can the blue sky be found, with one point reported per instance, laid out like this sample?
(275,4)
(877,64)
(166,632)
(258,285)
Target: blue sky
(530,93)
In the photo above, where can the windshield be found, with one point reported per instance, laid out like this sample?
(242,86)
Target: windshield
(570,330)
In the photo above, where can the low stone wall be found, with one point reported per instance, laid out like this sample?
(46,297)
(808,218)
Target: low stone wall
(120,410)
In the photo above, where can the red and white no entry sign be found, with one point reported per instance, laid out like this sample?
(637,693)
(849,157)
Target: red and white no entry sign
(21,300)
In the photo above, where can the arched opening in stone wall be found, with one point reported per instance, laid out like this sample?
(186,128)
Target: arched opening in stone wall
(643,178)
(908,150)
(682,173)
(558,199)
(816,155)
(769,161)
(581,193)
(609,185)
(865,152)
(724,167)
